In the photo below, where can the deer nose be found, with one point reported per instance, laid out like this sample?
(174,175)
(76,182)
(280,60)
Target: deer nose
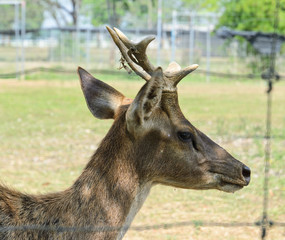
(246,174)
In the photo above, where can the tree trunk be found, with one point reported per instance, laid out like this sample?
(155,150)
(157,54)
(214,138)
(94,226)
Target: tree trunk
(112,13)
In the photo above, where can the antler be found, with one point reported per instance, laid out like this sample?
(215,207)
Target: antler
(135,55)
(175,74)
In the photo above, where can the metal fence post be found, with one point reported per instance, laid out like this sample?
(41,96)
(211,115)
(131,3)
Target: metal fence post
(173,35)
(17,33)
(159,31)
(23,34)
(208,53)
(191,38)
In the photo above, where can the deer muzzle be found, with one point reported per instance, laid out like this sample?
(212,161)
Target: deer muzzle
(231,175)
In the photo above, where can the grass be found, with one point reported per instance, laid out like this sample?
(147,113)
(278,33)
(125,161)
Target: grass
(47,135)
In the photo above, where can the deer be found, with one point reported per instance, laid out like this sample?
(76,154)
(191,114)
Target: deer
(150,142)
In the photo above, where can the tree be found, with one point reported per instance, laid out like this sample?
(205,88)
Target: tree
(247,15)
(114,12)
(141,14)
(34,15)
(197,5)
(108,11)
(252,15)
(60,11)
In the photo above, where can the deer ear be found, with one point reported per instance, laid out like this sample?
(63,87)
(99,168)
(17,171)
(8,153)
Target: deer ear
(146,101)
(102,100)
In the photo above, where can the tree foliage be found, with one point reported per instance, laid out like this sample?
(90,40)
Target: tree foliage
(247,15)
(252,15)
(34,15)
(60,11)
(115,12)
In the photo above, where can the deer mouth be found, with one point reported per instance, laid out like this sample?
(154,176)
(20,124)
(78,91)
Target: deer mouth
(231,179)
(228,184)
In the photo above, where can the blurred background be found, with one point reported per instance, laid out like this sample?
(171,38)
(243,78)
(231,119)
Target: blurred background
(63,34)
(47,134)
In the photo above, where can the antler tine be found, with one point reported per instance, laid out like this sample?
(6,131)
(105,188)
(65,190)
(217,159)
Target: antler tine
(135,55)
(124,51)
(175,74)
(137,51)
(123,38)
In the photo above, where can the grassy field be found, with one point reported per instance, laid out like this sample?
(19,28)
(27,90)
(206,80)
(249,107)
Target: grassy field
(47,135)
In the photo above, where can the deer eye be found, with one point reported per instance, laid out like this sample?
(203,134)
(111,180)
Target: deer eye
(185,136)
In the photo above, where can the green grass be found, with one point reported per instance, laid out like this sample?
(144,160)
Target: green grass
(47,135)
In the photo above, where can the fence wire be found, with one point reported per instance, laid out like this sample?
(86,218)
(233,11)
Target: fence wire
(14,74)
(94,229)
(264,223)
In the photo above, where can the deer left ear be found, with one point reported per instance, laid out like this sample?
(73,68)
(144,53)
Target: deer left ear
(102,100)
(148,98)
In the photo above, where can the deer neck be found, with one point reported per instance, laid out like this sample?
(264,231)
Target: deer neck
(110,187)
(136,205)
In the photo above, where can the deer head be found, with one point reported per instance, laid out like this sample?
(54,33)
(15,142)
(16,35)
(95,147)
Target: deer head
(166,147)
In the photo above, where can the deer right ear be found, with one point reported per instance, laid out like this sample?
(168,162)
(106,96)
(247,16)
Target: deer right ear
(102,100)
(148,98)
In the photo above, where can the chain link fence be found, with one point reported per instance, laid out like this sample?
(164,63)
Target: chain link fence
(92,48)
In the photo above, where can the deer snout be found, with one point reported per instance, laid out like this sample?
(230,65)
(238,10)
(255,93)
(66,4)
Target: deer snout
(246,174)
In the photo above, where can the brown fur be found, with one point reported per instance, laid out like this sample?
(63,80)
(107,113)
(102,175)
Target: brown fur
(141,149)
(101,196)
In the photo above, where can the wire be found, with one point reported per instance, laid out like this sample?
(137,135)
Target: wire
(265,223)
(104,71)
(89,229)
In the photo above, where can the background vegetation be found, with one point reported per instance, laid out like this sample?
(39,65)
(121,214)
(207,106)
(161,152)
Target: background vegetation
(247,15)
(47,135)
